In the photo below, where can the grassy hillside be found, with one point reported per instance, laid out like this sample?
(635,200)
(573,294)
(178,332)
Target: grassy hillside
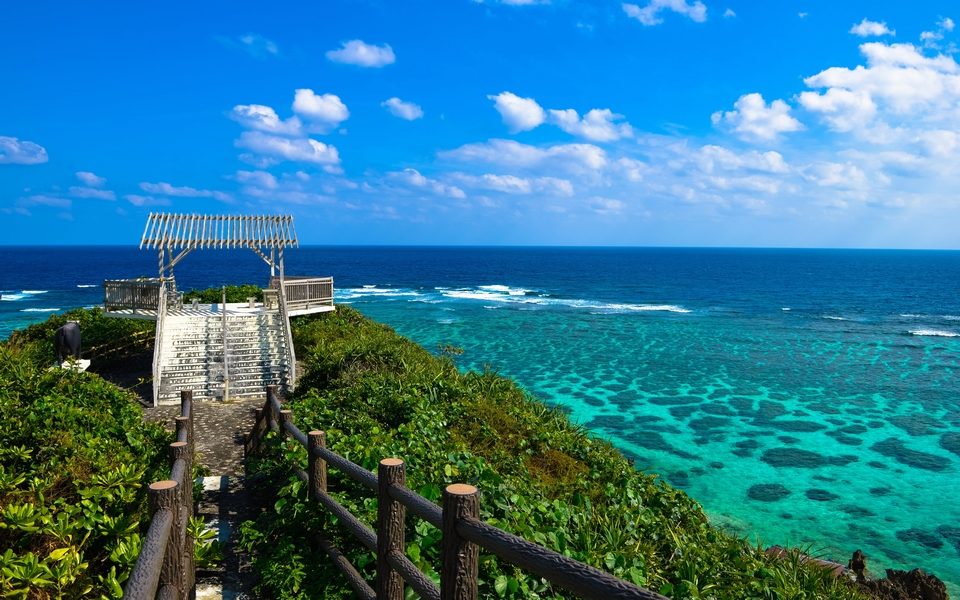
(378,395)
(75,458)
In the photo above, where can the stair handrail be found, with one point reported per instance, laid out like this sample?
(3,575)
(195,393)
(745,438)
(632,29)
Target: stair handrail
(226,370)
(158,341)
(287,337)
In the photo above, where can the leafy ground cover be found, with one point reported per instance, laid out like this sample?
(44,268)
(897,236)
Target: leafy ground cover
(75,457)
(379,395)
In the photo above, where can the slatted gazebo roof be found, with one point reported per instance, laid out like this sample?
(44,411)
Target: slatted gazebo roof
(192,232)
(174,236)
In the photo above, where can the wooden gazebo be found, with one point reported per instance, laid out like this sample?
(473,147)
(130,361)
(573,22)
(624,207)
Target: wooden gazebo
(251,342)
(174,236)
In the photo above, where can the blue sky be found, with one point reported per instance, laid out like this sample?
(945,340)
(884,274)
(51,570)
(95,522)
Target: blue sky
(650,122)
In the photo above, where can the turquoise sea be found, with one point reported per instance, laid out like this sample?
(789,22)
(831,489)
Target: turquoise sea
(804,397)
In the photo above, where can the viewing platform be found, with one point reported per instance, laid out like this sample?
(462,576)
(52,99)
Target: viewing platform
(219,350)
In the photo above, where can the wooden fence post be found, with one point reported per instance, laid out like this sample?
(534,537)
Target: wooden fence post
(391,517)
(183,450)
(184,423)
(317,467)
(271,394)
(165,495)
(286,416)
(459,567)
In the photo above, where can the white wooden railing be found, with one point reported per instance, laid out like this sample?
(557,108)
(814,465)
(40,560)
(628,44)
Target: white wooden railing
(161,308)
(131,294)
(302,293)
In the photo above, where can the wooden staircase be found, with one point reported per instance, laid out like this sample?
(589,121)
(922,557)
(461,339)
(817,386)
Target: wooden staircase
(192,353)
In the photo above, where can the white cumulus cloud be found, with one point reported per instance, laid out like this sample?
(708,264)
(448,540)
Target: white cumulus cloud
(166,189)
(841,109)
(518,114)
(325,110)
(868,28)
(90,179)
(16,152)
(260,179)
(264,118)
(752,118)
(415,179)
(91,192)
(362,54)
(297,150)
(403,110)
(598,125)
(514,154)
(650,14)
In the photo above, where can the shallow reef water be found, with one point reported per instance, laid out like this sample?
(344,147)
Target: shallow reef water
(802,397)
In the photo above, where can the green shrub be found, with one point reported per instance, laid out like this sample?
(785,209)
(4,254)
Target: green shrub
(235,293)
(75,459)
(378,395)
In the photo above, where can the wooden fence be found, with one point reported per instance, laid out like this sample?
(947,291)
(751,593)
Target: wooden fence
(463,533)
(131,294)
(303,293)
(165,567)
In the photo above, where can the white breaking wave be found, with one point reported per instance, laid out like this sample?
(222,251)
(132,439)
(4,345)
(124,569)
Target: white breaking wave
(832,318)
(951,317)
(935,333)
(506,295)
(372,290)
(12,297)
(32,292)
(39,309)
(87,285)
(785,309)
(505,289)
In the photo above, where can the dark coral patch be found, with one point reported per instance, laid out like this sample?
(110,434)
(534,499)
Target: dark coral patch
(821,495)
(951,442)
(767,492)
(708,424)
(741,404)
(880,491)
(924,538)
(652,440)
(857,512)
(682,412)
(715,465)
(895,449)
(951,534)
(674,400)
(876,464)
(916,424)
(770,410)
(786,439)
(715,408)
(679,478)
(614,422)
(797,425)
(842,438)
(593,401)
(875,424)
(805,459)
(853,429)
(625,400)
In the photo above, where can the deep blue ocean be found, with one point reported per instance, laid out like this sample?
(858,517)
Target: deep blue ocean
(804,397)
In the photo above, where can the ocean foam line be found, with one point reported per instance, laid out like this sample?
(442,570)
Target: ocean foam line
(39,309)
(513,296)
(32,292)
(934,333)
(87,285)
(12,297)
(833,318)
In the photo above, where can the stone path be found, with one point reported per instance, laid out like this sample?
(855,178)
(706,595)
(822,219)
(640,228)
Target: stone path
(219,430)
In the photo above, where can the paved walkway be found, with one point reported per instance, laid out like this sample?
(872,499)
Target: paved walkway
(219,433)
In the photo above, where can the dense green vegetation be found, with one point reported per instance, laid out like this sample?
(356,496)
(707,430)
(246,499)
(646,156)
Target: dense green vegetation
(75,457)
(235,293)
(378,395)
